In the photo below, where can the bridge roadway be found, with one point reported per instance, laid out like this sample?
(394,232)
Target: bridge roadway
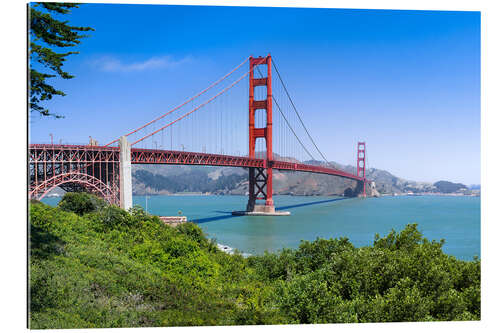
(81,154)
(155,156)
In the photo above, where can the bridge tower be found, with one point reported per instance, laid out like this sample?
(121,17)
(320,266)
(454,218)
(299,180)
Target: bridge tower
(260,185)
(361,164)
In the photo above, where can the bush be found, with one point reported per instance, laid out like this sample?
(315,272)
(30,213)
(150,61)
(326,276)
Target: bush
(110,218)
(94,265)
(81,202)
(402,277)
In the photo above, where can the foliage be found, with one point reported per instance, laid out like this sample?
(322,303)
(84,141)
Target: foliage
(47,36)
(402,277)
(105,267)
(81,202)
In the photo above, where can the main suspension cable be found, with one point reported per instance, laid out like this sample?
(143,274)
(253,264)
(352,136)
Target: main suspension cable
(298,115)
(198,107)
(189,100)
(286,120)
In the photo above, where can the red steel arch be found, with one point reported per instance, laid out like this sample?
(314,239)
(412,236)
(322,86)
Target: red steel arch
(92,168)
(89,182)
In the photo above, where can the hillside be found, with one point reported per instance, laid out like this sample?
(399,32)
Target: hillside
(150,179)
(449,187)
(226,180)
(94,265)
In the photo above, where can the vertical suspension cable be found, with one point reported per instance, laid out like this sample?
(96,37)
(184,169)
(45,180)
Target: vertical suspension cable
(181,105)
(298,115)
(290,127)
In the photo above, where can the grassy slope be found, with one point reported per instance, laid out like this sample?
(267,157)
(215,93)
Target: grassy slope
(111,268)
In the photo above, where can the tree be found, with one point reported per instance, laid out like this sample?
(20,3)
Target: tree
(48,34)
(81,202)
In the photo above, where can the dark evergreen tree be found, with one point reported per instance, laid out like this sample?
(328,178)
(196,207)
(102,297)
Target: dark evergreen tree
(47,36)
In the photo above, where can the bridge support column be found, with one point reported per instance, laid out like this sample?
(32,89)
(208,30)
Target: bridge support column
(251,190)
(125,174)
(258,187)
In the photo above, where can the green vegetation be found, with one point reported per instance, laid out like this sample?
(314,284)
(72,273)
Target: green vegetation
(48,35)
(81,203)
(94,265)
(193,181)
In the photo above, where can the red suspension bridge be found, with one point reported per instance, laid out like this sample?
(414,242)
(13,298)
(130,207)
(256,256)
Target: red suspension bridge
(232,127)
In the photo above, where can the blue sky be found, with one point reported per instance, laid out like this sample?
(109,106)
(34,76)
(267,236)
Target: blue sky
(406,82)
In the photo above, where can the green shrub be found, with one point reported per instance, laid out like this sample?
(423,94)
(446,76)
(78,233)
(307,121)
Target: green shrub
(81,202)
(402,277)
(193,232)
(110,218)
(94,265)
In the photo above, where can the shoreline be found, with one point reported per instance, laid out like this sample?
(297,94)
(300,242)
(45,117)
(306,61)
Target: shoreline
(231,251)
(428,194)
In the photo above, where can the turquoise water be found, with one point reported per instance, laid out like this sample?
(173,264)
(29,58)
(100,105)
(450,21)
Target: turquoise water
(456,219)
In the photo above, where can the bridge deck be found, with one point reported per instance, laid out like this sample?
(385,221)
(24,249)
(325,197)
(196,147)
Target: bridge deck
(154,156)
(157,156)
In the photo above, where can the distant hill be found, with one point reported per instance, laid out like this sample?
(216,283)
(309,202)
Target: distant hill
(194,180)
(151,179)
(163,179)
(443,186)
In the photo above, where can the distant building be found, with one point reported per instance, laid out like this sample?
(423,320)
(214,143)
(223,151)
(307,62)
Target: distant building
(173,221)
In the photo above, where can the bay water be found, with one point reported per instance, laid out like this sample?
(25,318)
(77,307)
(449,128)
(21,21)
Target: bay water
(455,219)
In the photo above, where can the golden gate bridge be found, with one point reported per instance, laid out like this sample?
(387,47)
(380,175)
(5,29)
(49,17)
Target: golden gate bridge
(210,128)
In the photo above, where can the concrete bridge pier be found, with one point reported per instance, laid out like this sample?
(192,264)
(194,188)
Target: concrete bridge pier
(125,174)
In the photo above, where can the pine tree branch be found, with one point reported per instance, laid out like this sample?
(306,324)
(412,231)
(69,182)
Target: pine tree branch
(46,32)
